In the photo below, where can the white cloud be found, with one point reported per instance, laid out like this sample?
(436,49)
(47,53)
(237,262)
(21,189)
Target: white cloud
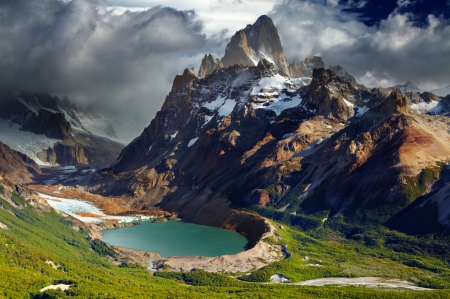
(388,54)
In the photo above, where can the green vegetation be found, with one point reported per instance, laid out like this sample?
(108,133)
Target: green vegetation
(43,248)
(416,186)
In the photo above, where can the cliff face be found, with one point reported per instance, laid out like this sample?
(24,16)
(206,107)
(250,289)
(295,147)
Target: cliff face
(256,42)
(209,65)
(17,166)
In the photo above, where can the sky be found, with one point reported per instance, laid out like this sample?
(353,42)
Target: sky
(122,55)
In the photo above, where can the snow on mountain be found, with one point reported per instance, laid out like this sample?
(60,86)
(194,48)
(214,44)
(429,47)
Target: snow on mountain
(442,92)
(424,107)
(408,87)
(25,142)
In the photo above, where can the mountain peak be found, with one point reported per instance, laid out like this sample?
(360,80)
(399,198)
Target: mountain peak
(258,41)
(408,87)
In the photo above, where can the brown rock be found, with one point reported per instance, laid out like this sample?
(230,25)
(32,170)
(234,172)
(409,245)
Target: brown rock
(209,65)
(180,81)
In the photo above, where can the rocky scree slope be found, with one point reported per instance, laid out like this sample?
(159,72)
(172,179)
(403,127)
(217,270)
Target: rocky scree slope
(53,131)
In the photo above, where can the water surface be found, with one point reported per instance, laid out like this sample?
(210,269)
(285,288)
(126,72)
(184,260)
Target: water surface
(177,238)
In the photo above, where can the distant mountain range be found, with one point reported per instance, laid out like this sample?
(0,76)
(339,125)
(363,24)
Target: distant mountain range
(54,131)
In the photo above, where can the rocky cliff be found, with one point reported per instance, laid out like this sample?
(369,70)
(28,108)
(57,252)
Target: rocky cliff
(16,166)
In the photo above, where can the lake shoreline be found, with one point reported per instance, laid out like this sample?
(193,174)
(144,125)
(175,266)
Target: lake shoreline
(254,257)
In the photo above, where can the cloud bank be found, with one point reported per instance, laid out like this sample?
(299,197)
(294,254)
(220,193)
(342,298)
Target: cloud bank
(125,64)
(97,52)
(393,50)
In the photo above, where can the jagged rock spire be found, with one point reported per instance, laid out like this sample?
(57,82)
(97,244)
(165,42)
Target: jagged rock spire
(209,64)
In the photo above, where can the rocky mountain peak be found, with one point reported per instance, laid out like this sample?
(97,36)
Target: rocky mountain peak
(181,80)
(209,64)
(342,72)
(328,92)
(305,69)
(408,87)
(395,103)
(255,42)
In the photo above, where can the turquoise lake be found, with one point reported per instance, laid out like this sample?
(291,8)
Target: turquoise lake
(177,238)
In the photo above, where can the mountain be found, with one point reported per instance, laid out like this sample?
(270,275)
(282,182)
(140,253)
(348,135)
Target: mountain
(442,92)
(254,43)
(16,166)
(209,64)
(342,72)
(54,131)
(322,147)
(408,87)
(258,41)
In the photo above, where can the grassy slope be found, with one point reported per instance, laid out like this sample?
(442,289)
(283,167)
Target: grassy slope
(34,237)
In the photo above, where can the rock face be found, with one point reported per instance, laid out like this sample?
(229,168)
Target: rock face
(407,87)
(53,118)
(179,81)
(255,42)
(328,93)
(250,135)
(17,166)
(342,72)
(209,65)
(305,69)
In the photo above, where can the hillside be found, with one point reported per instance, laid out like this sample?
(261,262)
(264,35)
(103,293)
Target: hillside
(40,248)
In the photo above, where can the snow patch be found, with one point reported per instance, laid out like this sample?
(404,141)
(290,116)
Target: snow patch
(424,107)
(173,135)
(227,108)
(361,110)
(25,142)
(350,104)
(192,141)
(74,206)
(29,107)
(214,105)
(280,104)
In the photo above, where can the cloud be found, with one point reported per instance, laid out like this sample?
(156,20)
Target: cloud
(125,64)
(392,52)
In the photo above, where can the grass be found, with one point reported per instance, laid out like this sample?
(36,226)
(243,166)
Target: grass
(36,237)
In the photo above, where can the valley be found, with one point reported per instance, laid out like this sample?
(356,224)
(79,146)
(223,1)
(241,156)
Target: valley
(257,178)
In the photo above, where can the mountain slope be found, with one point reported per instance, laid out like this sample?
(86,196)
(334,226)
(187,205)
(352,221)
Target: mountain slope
(53,131)
(17,166)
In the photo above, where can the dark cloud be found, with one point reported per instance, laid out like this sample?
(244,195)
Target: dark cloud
(394,51)
(125,64)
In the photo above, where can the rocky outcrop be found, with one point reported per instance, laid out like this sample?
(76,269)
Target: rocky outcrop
(17,166)
(305,69)
(181,80)
(209,65)
(48,123)
(325,93)
(342,72)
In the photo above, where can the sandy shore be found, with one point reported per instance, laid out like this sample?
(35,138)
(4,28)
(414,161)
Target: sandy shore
(257,257)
